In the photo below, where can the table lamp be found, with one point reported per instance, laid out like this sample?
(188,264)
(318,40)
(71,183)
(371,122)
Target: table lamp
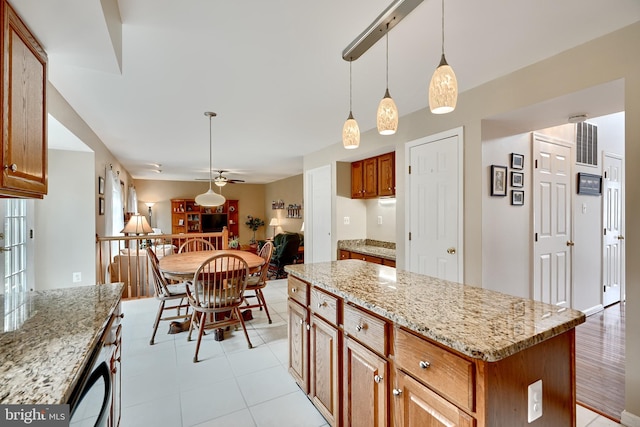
(137,225)
(274,224)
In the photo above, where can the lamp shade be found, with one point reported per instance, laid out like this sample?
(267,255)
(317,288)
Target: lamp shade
(350,133)
(210,199)
(387,117)
(137,225)
(443,90)
(274,222)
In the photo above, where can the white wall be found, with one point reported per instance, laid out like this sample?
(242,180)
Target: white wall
(64,225)
(385,210)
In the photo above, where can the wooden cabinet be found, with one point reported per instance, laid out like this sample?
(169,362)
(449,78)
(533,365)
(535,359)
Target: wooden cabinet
(366,369)
(387,174)
(298,344)
(324,369)
(344,254)
(189,217)
(24,112)
(113,355)
(415,405)
(373,177)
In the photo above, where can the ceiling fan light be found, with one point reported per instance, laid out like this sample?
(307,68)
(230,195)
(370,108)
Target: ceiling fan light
(220,182)
(443,89)
(387,117)
(210,199)
(350,133)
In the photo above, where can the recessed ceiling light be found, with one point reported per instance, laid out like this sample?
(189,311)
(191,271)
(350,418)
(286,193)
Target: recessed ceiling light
(578,118)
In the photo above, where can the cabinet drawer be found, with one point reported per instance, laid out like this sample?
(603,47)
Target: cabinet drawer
(344,254)
(366,328)
(443,371)
(324,305)
(298,290)
(388,262)
(367,258)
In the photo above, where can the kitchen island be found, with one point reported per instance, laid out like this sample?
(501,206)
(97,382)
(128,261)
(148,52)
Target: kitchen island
(388,347)
(48,341)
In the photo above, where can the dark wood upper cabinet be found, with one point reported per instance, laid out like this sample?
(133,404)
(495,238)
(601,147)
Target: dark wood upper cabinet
(24,111)
(373,177)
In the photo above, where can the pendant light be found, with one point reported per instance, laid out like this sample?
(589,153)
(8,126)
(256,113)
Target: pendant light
(210,198)
(443,90)
(350,130)
(387,117)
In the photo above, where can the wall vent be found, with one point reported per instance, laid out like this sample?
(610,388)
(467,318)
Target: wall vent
(587,144)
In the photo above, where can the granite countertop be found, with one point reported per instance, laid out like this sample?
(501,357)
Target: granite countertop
(377,248)
(480,323)
(45,343)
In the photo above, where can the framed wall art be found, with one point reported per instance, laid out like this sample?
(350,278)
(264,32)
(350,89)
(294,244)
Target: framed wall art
(100,205)
(517,197)
(100,185)
(498,180)
(517,161)
(517,179)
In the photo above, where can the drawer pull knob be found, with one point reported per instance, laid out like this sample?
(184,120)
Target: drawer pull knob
(301,321)
(308,327)
(377,379)
(293,290)
(397,392)
(360,327)
(424,364)
(322,304)
(13,167)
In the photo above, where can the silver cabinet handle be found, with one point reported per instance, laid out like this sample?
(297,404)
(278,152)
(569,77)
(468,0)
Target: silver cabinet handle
(377,379)
(12,166)
(360,327)
(424,364)
(301,322)
(293,290)
(308,327)
(397,392)
(322,304)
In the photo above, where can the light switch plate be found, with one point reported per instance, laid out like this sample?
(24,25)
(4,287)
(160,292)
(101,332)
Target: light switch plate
(534,393)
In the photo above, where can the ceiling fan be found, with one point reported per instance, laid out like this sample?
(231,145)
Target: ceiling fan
(222,180)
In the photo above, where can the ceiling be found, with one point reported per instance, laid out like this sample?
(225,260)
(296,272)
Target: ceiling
(141,73)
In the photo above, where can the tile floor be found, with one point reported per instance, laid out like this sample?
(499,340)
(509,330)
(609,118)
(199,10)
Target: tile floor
(230,385)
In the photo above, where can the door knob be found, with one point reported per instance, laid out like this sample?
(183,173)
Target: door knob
(620,237)
(570,243)
(451,251)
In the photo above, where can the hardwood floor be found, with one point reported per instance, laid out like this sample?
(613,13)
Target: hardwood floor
(600,362)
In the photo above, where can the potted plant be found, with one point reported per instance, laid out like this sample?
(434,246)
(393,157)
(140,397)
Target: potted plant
(234,243)
(253,224)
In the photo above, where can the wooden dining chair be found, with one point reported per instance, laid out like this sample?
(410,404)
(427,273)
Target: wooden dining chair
(215,295)
(258,281)
(165,292)
(196,244)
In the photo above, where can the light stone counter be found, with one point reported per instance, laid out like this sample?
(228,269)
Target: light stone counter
(384,250)
(45,343)
(480,323)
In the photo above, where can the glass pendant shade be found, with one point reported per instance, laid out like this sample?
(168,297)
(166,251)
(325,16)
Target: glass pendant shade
(387,118)
(210,199)
(443,90)
(350,133)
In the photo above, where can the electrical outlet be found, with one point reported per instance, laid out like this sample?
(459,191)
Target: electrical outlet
(77,277)
(346,220)
(534,393)
(379,219)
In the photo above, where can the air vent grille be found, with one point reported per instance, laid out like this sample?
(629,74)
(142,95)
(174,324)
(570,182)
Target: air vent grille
(587,144)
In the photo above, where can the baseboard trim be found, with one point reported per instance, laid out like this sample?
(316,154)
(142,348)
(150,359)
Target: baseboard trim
(593,310)
(629,420)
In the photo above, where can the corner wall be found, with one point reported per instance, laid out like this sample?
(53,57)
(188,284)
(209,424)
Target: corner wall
(290,191)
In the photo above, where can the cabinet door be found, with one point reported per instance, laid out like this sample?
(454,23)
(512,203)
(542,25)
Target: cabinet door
(24,124)
(370,168)
(324,367)
(387,174)
(344,254)
(415,405)
(116,379)
(357,182)
(298,344)
(365,387)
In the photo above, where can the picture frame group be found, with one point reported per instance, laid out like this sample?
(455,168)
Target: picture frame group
(500,175)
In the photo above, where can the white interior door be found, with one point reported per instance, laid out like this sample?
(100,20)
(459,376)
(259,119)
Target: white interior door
(612,240)
(435,191)
(318,215)
(552,222)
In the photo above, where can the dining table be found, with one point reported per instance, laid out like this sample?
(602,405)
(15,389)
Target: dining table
(183,265)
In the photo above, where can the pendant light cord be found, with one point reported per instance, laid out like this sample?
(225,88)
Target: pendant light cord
(210,156)
(350,88)
(443,27)
(387,37)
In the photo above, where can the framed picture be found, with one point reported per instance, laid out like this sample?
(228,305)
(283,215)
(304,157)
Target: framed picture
(100,205)
(589,184)
(100,185)
(181,222)
(517,197)
(517,179)
(498,180)
(517,161)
